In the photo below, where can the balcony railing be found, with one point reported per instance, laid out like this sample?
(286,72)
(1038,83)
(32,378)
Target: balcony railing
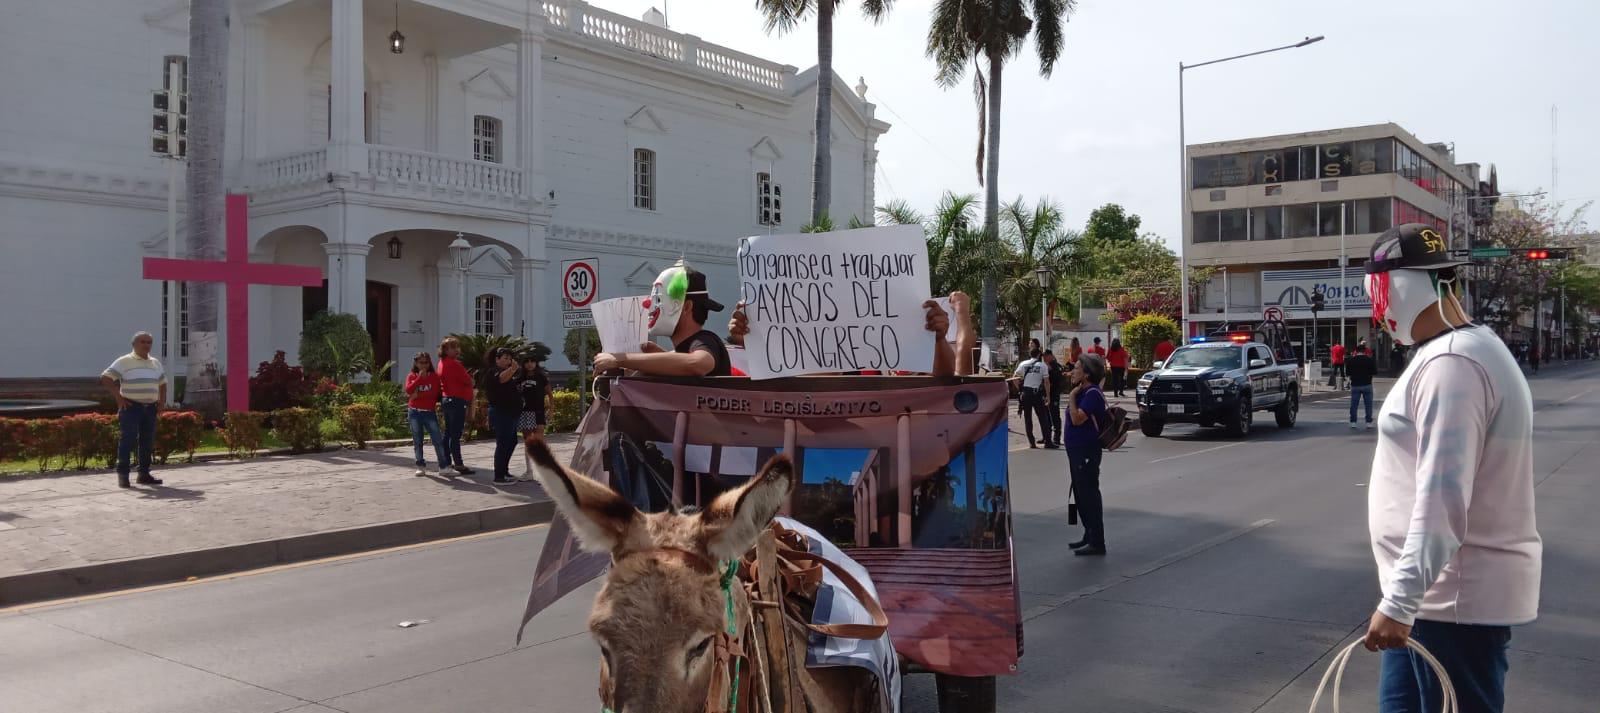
(592,23)
(406,166)
(295,168)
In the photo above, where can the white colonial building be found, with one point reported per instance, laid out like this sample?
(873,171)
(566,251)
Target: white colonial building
(538,131)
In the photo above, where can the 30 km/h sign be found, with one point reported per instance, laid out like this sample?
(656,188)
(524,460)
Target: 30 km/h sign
(579,281)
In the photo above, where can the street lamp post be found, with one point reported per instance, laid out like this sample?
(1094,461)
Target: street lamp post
(1043,274)
(461,251)
(1183,173)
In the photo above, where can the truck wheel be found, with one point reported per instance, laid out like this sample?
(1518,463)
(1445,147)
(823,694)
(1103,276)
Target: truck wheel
(1289,410)
(1151,427)
(1238,423)
(965,694)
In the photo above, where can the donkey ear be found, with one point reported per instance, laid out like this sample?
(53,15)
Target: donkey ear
(732,522)
(598,514)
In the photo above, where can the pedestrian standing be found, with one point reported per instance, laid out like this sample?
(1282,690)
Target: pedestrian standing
(456,385)
(1451,497)
(138,382)
(1164,349)
(1117,359)
(1336,359)
(1074,351)
(505,409)
(1033,396)
(1397,358)
(1096,349)
(1057,379)
(422,401)
(1086,412)
(1361,368)
(534,387)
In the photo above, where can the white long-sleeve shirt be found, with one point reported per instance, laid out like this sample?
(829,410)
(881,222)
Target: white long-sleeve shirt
(1450,507)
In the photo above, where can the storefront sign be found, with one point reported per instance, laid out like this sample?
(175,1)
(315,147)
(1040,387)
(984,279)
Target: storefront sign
(1291,290)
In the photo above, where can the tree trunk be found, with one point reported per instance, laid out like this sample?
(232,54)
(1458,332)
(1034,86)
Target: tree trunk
(822,157)
(991,207)
(208,66)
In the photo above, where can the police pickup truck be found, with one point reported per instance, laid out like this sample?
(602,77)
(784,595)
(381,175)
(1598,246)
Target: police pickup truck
(1220,380)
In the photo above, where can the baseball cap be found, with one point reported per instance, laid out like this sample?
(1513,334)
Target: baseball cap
(697,289)
(1412,246)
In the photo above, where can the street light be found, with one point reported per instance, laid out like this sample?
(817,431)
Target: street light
(1043,274)
(1183,173)
(461,251)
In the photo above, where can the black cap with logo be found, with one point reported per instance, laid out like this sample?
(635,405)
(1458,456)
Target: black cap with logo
(1413,246)
(697,289)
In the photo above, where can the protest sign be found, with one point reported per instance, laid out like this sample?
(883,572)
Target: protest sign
(836,302)
(622,324)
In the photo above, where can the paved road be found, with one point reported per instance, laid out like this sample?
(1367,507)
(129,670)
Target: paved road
(1235,569)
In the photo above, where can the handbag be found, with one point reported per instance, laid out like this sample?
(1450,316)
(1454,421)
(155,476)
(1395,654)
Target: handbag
(1336,673)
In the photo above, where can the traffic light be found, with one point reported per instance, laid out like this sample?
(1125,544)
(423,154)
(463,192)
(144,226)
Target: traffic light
(169,123)
(1544,254)
(1318,301)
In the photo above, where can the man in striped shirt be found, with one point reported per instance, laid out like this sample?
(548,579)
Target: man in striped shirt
(138,382)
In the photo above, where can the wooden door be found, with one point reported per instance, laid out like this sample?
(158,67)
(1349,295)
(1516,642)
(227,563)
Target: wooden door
(380,322)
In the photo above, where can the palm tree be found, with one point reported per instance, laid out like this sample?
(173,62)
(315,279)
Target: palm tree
(957,253)
(965,31)
(783,15)
(208,92)
(1035,238)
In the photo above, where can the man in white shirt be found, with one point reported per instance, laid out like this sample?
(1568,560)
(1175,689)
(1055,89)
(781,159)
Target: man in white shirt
(138,383)
(1033,396)
(1450,504)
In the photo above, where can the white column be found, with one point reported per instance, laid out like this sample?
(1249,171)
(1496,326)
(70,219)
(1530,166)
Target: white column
(347,72)
(430,100)
(530,109)
(347,278)
(530,290)
(255,30)
(262,345)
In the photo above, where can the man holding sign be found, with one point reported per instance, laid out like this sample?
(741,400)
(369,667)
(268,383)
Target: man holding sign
(677,308)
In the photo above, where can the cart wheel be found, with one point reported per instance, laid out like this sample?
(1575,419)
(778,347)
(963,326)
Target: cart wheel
(965,694)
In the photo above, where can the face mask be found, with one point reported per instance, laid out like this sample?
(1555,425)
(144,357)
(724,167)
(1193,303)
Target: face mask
(665,304)
(1399,297)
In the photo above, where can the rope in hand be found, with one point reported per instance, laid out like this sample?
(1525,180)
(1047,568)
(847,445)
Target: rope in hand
(1336,673)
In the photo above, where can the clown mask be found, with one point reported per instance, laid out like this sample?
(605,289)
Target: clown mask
(1399,298)
(664,306)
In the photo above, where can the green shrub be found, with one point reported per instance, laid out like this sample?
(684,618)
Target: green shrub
(357,420)
(330,429)
(475,350)
(389,398)
(13,438)
(301,428)
(564,415)
(244,432)
(329,397)
(335,345)
(569,344)
(178,432)
(1142,333)
(47,442)
(88,437)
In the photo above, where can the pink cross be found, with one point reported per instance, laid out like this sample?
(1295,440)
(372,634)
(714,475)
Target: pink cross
(238,273)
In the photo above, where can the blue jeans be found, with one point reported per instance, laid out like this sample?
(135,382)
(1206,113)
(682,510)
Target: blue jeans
(455,421)
(138,423)
(426,421)
(504,423)
(1357,395)
(1473,655)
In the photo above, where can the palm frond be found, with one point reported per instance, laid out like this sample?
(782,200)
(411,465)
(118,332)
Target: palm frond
(1048,16)
(876,10)
(948,43)
(898,212)
(783,15)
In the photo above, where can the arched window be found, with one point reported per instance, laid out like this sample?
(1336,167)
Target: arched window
(644,179)
(486,315)
(486,138)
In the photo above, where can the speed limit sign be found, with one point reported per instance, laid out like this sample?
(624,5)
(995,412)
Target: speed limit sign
(579,282)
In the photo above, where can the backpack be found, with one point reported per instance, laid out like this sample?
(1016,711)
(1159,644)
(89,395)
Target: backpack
(1114,432)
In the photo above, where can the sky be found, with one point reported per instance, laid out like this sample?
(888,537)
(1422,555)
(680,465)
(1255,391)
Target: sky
(1104,127)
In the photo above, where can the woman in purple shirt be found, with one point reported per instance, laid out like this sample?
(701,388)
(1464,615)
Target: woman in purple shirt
(1086,410)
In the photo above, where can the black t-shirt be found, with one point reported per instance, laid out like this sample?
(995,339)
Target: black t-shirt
(1360,368)
(502,394)
(1058,380)
(532,386)
(707,341)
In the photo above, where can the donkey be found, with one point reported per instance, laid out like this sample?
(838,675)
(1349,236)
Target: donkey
(663,604)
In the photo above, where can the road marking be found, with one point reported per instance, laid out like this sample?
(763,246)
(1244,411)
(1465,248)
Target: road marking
(1051,605)
(52,603)
(1195,453)
(1585,392)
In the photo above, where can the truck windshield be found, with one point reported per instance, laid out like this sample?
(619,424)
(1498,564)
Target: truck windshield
(1207,358)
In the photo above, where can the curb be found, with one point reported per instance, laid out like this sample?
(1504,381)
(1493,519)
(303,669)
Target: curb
(179,566)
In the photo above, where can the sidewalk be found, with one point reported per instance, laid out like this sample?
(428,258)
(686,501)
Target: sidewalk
(65,535)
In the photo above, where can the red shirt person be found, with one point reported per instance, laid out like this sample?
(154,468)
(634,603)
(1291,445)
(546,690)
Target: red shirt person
(1164,349)
(422,391)
(456,386)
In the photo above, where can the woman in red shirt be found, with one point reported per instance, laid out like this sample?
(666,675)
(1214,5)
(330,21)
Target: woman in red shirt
(1118,359)
(422,392)
(456,387)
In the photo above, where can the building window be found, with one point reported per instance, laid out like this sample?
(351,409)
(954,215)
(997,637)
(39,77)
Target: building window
(769,200)
(486,315)
(1266,223)
(486,138)
(644,179)
(1375,156)
(1335,160)
(1331,221)
(183,318)
(1300,221)
(1206,227)
(1233,225)
(1371,216)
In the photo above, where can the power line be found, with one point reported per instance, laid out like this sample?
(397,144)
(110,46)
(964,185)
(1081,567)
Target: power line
(936,147)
